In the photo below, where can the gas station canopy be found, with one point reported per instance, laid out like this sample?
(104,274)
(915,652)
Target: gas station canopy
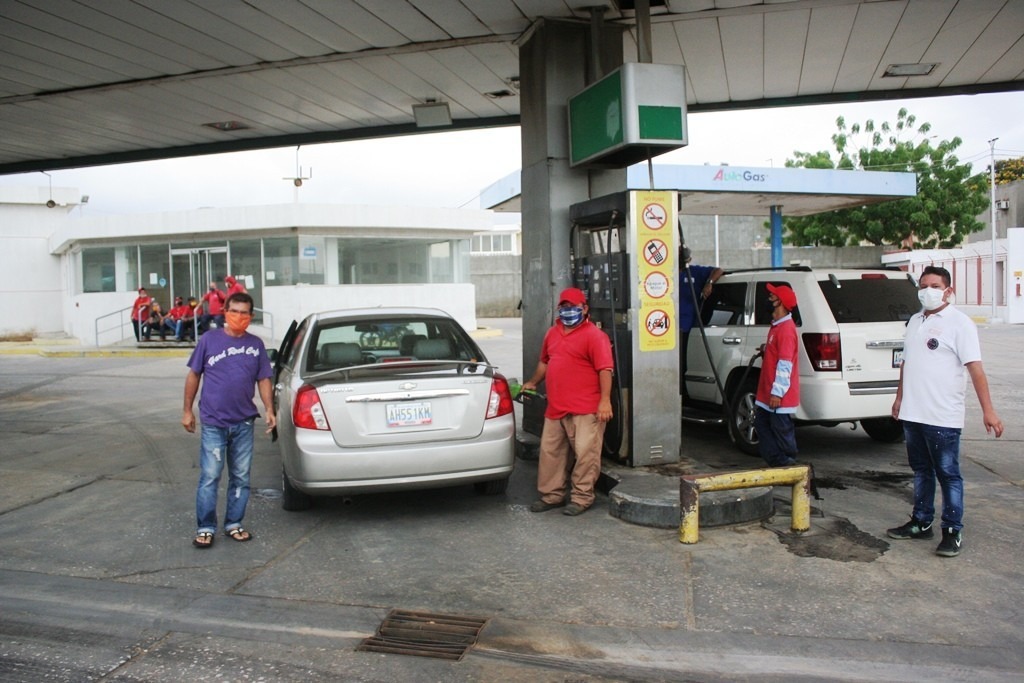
(89,82)
(745,191)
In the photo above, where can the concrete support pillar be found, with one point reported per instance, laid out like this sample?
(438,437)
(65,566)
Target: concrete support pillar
(553,65)
(776,221)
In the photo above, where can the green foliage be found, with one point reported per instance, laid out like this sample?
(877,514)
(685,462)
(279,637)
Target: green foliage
(941,215)
(1009,170)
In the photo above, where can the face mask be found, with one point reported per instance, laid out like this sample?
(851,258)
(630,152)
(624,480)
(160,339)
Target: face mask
(571,317)
(237,322)
(930,297)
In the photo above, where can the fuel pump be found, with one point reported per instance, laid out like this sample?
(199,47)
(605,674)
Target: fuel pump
(624,253)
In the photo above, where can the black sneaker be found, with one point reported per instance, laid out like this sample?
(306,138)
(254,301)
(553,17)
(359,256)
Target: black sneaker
(912,529)
(951,543)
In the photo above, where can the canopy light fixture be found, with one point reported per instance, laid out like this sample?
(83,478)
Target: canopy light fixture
(903,70)
(432,114)
(499,94)
(226,125)
(49,202)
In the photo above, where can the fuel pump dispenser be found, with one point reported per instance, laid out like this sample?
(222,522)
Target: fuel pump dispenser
(624,257)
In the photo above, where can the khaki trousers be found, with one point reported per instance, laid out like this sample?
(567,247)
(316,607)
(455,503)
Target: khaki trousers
(582,435)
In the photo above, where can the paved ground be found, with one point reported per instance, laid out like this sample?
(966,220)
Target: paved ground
(98,580)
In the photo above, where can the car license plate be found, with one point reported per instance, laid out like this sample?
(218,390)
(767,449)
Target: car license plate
(409,414)
(897,357)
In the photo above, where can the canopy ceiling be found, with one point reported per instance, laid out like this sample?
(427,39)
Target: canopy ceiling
(87,82)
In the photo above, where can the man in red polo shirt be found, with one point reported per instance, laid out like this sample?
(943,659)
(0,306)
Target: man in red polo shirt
(778,389)
(576,360)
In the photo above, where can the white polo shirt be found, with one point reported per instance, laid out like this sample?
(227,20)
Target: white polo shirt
(936,350)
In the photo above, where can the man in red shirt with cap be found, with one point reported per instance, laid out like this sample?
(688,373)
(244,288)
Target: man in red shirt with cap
(576,360)
(140,312)
(778,390)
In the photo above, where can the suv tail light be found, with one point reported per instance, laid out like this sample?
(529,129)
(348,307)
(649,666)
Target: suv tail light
(824,350)
(500,401)
(308,412)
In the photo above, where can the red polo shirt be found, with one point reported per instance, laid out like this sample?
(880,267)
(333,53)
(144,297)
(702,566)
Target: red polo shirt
(574,358)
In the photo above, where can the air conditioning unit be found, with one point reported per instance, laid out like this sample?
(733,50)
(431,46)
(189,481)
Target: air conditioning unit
(1003,204)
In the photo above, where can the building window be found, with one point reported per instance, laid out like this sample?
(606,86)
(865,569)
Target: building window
(493,244)
(98,271)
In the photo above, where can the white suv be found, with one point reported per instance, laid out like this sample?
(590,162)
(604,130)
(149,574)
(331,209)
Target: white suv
(851,325)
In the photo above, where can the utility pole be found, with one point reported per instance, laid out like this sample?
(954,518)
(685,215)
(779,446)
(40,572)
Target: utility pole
(992,214)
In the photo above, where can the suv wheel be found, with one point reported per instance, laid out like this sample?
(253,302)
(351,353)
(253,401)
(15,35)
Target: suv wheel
(884,429)
(741,418)
(292,499)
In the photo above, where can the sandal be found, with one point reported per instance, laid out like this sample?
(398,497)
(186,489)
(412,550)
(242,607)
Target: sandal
(239,534)
(204,539)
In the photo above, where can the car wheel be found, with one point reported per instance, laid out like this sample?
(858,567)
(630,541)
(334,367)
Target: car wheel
(884,429)
(492,487)
(292,499)
(741,418)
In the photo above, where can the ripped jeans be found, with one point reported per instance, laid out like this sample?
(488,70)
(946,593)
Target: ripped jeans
(234,445)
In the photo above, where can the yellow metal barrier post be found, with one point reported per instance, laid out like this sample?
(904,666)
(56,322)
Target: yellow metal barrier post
(691,486)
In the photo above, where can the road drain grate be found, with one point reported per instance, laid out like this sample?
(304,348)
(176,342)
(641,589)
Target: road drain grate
(442,636)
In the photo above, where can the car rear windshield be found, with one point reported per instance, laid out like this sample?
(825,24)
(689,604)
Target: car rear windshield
(363,341)
(871,299)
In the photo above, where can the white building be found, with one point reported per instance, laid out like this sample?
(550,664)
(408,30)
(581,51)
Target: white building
(971,268)
(65,273)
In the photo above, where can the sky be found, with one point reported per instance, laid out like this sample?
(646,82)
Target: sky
(451,169)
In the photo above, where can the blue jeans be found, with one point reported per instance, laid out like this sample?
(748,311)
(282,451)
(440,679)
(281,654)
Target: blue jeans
(776,437)
(216,445)
(934,453)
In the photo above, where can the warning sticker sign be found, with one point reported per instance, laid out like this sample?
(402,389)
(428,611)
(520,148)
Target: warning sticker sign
(657,322)
(654,216)
(655,252)
(656,285)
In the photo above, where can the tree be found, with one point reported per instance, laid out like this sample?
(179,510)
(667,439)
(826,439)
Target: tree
(1009,170)
(941,215)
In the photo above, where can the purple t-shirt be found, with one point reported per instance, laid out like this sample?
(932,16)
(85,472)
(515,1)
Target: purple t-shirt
(230,367)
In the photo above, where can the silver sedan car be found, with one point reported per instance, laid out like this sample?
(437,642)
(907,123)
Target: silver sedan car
(388,399)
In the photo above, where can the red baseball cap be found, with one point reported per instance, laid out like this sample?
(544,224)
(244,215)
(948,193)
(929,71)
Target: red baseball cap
(787,297)
(572,295)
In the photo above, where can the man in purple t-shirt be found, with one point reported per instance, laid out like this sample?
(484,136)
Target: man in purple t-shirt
(232,363)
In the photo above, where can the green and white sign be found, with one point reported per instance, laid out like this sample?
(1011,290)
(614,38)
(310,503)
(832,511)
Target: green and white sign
(633,111)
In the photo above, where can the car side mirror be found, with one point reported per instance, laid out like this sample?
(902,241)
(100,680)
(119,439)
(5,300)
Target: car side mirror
(272,355)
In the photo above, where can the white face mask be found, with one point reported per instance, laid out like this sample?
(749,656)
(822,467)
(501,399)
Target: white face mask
(930,297)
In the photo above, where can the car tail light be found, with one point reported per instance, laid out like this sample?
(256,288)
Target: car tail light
(824,350)
(308,412)
(500,401)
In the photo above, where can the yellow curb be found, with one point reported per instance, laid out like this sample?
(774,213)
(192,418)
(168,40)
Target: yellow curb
(118,353)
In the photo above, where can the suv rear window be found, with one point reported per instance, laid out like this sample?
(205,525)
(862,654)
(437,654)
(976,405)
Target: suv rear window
(871,300)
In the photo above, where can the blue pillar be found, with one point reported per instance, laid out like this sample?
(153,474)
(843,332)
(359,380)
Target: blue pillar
(776,219)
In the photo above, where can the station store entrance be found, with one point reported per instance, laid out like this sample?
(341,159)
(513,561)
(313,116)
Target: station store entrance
(193,269)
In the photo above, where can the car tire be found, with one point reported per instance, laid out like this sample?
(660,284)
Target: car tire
(741,418)
(883,429)
(292,499)
(493,487)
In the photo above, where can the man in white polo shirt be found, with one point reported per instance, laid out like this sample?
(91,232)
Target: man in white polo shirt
(941,342)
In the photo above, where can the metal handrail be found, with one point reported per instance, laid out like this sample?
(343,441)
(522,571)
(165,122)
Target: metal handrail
(119,326)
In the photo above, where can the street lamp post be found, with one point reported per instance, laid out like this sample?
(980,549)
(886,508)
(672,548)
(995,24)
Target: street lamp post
(992,213)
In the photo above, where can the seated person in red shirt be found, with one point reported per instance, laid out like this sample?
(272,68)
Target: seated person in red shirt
(158,322)
(182,317)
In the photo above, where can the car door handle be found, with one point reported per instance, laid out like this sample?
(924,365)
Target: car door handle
(732,340)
